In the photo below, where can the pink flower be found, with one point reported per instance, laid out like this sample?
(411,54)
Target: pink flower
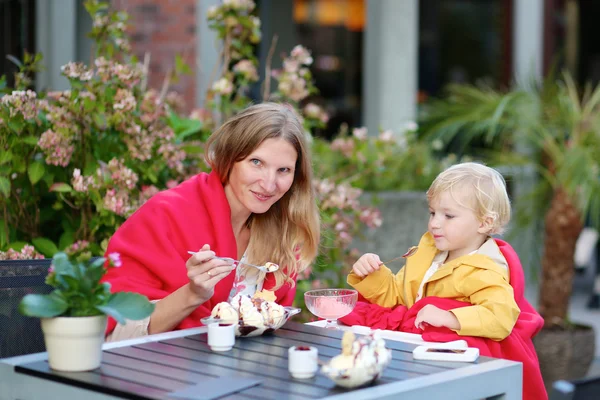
(57,148)
(115,259)
(360,133)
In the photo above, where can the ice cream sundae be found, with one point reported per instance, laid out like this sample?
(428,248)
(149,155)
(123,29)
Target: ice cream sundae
(225,313)
(362,360)
(253,315)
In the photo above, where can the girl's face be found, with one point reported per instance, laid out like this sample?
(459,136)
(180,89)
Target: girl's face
(262,178)
(454,227)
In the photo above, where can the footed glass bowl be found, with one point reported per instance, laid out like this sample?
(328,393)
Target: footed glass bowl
(353,377)
(247,330)
(331,304)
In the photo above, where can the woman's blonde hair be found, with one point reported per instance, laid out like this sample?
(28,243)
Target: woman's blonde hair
(288,233)
(477,187)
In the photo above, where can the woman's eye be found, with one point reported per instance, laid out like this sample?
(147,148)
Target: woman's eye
(432,213)
(449,216)
(255,161)
(284,170)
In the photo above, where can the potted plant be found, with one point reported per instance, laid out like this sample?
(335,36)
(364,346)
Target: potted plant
(73,316)
(558,127)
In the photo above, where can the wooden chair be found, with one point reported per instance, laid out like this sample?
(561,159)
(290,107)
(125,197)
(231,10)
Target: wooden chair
(19,334)
(579,389)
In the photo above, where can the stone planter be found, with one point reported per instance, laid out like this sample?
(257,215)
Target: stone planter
(565,353)
(74,343)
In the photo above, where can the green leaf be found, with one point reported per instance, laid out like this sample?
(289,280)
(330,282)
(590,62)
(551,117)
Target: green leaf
(99,262)
(17,246)
(16,125)
(66,239)
(5,157)
(4,186)
(43,305)
(48,179)
(44,246)
(91,165)
(14,60)
(181,67)
(19,164)
(61,264)
(3,236)
(126,305)
(70,284)
(99,119)
(61,187)
(35,172)
(32,140)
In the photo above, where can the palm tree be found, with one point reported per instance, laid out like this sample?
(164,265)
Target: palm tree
(559,128)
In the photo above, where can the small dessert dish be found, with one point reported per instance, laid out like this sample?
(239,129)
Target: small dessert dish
(303,361)
(221,336)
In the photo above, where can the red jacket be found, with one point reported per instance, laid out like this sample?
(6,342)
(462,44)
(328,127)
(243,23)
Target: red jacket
(518,346)
(154,241)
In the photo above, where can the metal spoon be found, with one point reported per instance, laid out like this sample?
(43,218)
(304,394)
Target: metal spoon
(412,250)
(269,267)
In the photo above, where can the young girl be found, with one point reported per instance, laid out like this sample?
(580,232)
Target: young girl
(455,259)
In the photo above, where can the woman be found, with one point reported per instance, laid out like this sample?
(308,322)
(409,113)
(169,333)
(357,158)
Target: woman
(257,204)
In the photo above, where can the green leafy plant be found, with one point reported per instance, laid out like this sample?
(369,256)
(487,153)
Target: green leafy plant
(79,292)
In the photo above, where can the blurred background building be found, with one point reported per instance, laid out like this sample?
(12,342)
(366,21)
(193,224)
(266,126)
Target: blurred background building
(374,60)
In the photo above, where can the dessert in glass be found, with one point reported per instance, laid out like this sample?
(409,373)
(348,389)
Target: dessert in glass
(251,315)
(331,304)
(361,362)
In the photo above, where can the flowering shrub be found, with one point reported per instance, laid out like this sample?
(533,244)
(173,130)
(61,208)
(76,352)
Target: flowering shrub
(75,164)
(78,291)
(388,161)
(27,253)
(85,157)
(240,32)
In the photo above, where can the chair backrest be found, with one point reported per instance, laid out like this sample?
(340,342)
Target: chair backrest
(580,389)
(19,334)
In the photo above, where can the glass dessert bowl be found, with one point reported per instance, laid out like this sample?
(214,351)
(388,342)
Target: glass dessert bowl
(331,304)
(251,316)
(362,361)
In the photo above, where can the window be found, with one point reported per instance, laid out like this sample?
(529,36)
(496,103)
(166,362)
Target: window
(17,19)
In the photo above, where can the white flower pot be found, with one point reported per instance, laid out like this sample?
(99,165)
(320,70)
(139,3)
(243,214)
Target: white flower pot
(74,343)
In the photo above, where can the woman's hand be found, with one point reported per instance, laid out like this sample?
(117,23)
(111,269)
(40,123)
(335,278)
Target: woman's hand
(205,271)
(435,316)
(366,264)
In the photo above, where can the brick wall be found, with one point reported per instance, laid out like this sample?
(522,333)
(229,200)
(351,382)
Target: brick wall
(164,28)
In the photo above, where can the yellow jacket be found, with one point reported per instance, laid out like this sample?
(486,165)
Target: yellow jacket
(479,279)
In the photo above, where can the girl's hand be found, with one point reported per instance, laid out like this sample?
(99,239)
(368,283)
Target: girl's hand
(204,272)
(366,264)
(435,316)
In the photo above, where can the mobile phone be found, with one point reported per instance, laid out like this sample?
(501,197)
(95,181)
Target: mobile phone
(469,354)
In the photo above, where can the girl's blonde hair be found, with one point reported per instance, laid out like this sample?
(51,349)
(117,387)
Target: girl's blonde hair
(477,187)
(288,233)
